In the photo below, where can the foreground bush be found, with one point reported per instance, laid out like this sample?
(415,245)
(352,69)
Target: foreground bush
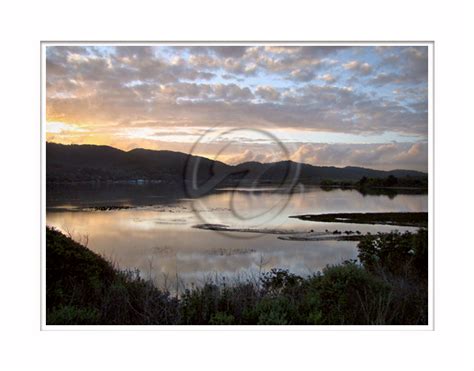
(402,261)
(388,286)
(83,288)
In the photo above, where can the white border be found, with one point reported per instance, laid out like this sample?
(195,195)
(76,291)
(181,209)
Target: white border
(429,327)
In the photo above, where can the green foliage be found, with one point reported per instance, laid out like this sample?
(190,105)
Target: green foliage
(221,318)
(279,281)
(388,286)
(71,315)
(274,311)
(402,261)
(83,288)
(393,181)
(348,295)
(399,254)
(328,183)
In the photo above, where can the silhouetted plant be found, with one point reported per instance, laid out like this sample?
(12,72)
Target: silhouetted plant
(387,286)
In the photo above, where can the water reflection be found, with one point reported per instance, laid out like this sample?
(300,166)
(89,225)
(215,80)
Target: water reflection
(158,237)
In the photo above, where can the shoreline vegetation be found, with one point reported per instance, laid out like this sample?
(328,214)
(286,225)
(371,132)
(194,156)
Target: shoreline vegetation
(403,219)
(376,186)
(406,182)
(69,164)
(388,285)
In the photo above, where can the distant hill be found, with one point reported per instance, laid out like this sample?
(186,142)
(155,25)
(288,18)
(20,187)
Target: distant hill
(76,163)
(87,163)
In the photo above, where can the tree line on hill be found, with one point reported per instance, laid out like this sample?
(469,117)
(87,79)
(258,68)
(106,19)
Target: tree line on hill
(90,163)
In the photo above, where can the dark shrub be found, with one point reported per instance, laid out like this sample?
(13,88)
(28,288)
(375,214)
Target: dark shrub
(387,286)
(399,254)
(401,260)
(347,295)
(83,288)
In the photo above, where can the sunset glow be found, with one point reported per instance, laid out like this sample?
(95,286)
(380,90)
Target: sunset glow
(331,105)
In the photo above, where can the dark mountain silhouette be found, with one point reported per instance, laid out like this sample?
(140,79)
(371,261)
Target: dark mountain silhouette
(87,163)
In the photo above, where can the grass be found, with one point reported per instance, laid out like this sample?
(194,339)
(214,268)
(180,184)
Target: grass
(388,286)
(401,219)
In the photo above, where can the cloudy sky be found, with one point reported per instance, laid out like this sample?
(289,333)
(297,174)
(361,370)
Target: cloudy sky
(323,105)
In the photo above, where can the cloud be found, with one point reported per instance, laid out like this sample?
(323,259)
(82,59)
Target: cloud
(408,65)
(230,51)
(311,107)
(232,92)
(385,156)
(250,155)
(358,90)
(268,93)
(328,78)
(302,75)
(363,68)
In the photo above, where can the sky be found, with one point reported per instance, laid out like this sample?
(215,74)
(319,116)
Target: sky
(322,105)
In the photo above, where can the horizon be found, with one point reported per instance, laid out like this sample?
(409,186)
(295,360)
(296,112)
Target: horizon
(165,150)
(360,106)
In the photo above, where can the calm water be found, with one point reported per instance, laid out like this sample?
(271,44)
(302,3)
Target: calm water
(157,234)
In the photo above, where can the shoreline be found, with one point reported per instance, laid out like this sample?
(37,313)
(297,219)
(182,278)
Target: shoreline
(402,219)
